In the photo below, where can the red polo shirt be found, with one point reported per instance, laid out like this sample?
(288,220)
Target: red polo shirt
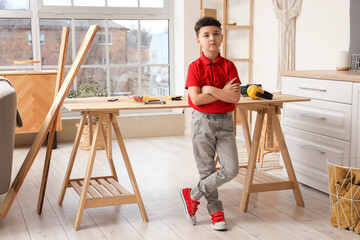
(205,72)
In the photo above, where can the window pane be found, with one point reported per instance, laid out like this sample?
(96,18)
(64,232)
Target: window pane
(122,3)
(96,54)
(124,41)
(15,41)
(155,81)
(51,30)
(90,3)
(86,75)
(123,81)
(152,3)
(154,41)
(57,2)
(14,5)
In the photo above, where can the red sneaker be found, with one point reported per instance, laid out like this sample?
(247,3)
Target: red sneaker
(190,205)
(218,221)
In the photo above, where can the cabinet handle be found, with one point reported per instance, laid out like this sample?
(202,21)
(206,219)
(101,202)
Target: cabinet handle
(312,116)
(312,88)
(310,148)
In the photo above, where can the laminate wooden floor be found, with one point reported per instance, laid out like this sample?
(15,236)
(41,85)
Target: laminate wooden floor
(162,166)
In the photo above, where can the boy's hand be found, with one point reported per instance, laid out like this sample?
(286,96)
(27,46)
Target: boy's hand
(235,87)
(206,89)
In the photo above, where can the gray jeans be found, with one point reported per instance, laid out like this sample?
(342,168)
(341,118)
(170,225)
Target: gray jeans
(213,133)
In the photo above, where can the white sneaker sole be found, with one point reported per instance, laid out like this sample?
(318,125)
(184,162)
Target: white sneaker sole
(219,227)
(192,219)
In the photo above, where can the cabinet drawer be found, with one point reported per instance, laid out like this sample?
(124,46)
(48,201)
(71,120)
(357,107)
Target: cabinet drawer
(327,118)
(309,153)
(335,91)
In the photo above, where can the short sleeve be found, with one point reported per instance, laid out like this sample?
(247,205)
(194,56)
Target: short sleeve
(192,79)
(233,73)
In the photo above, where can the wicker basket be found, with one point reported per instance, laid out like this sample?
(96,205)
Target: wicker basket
(264,145)
(85,139)
(344,189)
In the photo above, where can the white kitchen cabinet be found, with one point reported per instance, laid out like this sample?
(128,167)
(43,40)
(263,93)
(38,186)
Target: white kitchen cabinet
(309,153)
(355,128)
(325,127)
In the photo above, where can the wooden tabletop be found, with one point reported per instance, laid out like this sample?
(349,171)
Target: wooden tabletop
(352,76)
(123,103)
(23,72)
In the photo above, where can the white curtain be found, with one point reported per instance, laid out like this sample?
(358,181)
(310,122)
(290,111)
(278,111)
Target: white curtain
(286,12)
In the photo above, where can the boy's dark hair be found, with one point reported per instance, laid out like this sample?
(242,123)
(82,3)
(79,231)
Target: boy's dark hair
(206,21)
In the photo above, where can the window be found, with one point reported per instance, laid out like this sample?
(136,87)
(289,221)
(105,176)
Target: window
(102,3)
(15,5)
(14,35)
(102,39)
(42,38)
(129,55)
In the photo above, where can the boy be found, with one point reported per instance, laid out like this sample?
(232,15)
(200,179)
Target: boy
(213,85)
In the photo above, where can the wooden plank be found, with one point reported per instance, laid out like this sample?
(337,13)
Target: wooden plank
(100,189)
(287,161)
(72,159)
(92,178)
(246,129)
(110,201)
(61,67)
(128,167)
(107,139)
(274,186)
(119,187)
(270,132)
(50,118)
(93,193)
(102,104)
(46,167)
(224,22)
(57,123)
(252,162)
(109,187)
(88,172)
(76,187)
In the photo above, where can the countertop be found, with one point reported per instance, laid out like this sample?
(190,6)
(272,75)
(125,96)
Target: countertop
(351,76)
(24,72)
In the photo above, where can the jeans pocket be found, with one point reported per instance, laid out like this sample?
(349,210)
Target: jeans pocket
(229,124)
(196,123)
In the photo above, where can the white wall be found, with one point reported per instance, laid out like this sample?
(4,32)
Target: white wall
(323,29)
(186,50)
(265,42)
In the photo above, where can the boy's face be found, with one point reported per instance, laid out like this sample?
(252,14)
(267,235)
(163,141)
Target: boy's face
(210,38)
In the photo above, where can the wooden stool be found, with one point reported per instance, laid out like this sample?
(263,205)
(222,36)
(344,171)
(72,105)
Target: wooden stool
(101,191)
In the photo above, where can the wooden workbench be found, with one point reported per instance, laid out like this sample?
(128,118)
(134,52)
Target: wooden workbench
(110,192)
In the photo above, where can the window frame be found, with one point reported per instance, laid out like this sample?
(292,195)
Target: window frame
(110,13)
(38,11)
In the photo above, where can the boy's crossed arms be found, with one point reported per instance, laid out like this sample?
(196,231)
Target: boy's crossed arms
(207,94)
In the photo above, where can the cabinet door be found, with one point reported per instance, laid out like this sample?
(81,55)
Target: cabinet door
(35,94)
(309,153)
(322,117)
(355,128)
(328,90)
